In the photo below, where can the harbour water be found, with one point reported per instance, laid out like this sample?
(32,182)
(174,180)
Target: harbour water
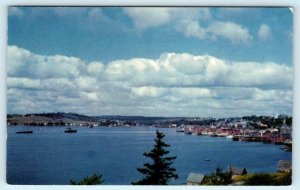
(50,156)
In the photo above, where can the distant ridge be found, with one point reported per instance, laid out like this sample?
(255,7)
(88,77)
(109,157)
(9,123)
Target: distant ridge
(76,116)
(60,118)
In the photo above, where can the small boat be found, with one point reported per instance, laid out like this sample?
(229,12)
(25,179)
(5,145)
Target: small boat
(69,130)
(199,133)
(229,136)
(24,132)
(287,149)
(278,143)
(207,159)
(235,138)
(267,141)
(180,129)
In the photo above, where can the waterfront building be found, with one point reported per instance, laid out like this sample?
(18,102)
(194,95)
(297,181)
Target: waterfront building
(237,171)
(284,166)
(195,179)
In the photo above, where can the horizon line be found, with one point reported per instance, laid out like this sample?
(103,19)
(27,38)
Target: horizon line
(278,114)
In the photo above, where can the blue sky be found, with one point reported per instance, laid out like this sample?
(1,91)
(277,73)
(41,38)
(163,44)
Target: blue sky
(193,61)
(111,34)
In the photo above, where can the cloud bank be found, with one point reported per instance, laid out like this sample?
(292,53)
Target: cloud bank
(175,84)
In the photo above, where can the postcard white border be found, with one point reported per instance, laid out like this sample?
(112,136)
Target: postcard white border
(296,65)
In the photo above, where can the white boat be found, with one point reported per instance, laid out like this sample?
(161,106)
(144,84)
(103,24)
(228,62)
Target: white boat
(229,136)
(180,129)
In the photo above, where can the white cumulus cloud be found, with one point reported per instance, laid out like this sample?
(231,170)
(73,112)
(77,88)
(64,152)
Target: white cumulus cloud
(175,84)
(147,17)
(148,91)
(29,83)
(95,68)
(191,28)
(264,32)
(229,30)
(187,21)
(23,63)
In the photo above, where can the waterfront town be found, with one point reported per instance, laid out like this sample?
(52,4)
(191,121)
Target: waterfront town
(245,131)
(216,81)
(266,129)
(275,130)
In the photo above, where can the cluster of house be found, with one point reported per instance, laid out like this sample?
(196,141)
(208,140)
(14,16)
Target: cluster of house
(197,178)
(105,123)
(240,132)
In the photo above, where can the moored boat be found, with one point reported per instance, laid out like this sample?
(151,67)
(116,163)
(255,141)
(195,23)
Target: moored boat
(229,136)
(278,142)
(70,130)
(199,133)
(286,148)
(180,129)
(24,132)
(235,138)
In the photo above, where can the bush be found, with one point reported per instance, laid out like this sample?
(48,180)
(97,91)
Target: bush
(259,179)
(269,179)
(218,178)
(283,178)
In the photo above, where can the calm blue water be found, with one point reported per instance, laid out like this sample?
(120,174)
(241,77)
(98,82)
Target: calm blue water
(50,156)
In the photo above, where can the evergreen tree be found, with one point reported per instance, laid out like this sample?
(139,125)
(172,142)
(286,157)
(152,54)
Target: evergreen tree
(160,171)
(89,180)
(220,177)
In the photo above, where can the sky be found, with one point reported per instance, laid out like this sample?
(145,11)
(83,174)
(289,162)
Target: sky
(150,61)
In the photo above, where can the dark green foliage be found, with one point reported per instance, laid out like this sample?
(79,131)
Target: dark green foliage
(289,121)
(278,122)
(259,179)
(89,180)
(159,172)
(12,115)
(283,179)
(218,178)
(253,125)
(270,179)
(268,121)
